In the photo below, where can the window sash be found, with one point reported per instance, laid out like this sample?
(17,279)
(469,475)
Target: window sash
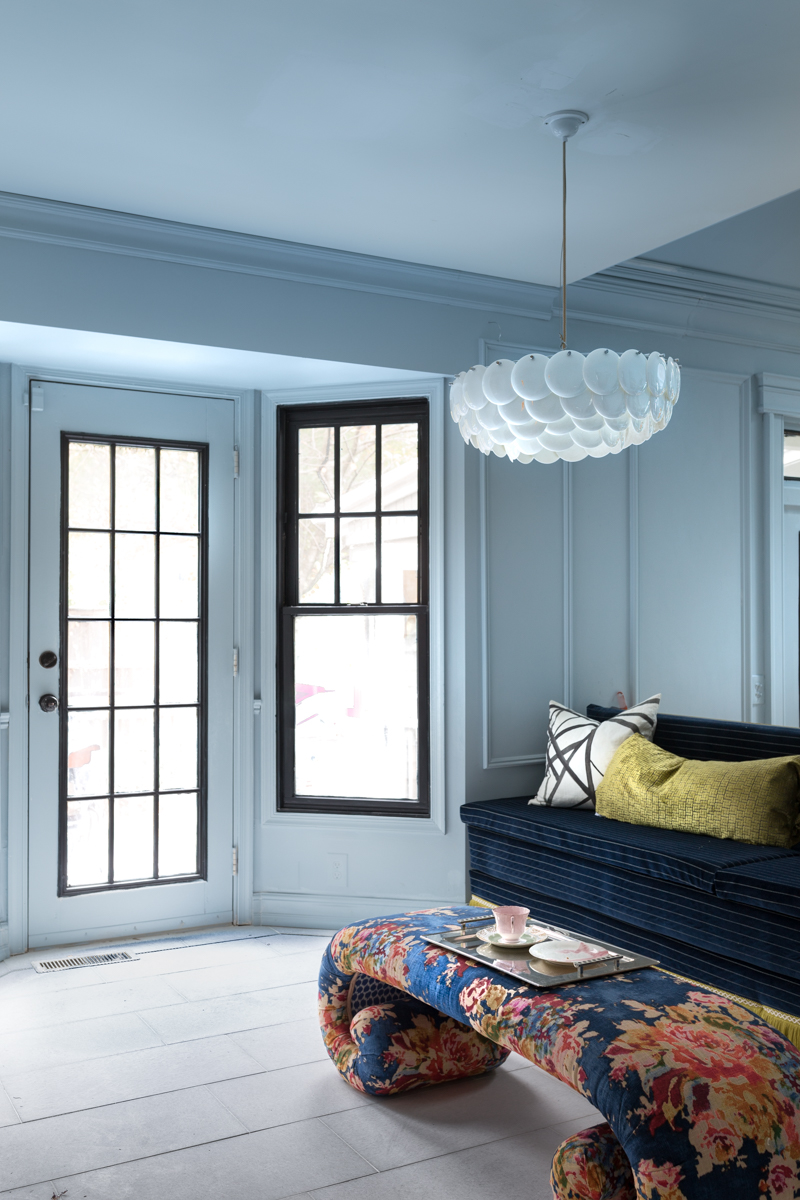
(290,420)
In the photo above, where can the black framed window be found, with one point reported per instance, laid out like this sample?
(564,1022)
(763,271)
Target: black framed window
(353,619)
(132,773)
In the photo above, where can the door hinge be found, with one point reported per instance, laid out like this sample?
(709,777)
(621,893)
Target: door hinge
(236,660)
(37,397)
(235,860)
(235,462)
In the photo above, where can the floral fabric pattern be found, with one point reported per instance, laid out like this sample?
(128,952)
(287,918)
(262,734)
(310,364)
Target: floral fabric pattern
(591,1165)
(400,1043)
(702,1097)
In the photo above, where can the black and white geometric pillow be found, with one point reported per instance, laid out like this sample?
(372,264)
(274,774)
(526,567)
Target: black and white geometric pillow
(579,751)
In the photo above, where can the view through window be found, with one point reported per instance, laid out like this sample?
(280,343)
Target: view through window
(133,649)
(791,455)
(353,655)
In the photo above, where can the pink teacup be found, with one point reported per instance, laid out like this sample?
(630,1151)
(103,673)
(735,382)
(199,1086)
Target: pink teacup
(510,921)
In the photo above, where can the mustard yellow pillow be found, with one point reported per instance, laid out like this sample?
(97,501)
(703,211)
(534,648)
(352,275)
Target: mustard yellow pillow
(757,802)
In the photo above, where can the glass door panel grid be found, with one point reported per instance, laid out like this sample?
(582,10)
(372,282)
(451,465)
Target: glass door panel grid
(132,772)
(353,512)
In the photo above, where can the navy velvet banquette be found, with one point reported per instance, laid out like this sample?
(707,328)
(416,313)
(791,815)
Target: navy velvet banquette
(722,912)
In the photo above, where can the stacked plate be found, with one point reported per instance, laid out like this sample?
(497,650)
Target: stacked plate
(569,951)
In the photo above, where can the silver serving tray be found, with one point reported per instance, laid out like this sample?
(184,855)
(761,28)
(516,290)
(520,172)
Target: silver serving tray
(460,938)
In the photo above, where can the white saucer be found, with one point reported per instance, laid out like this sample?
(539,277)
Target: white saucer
(567,950)
(531,935)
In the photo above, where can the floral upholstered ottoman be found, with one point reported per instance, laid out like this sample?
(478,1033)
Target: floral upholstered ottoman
(701,1098)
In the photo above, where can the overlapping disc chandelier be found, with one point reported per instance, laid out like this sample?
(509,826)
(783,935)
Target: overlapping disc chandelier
(568,405)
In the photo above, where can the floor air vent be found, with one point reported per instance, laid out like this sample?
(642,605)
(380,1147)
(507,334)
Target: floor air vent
(86,960)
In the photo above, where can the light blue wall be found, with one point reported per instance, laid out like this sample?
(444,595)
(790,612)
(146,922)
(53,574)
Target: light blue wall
(639,573)
(636,573)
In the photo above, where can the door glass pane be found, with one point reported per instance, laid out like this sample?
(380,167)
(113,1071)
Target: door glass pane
(399,560)
(177,764)
(179,491)
(399,467)
(315,561)
(87,753)
(357,468)
(357,561)
(315,470)
(89,485)
(120,738)
(133,838)
(88,582)
(87,658)
(177,834)
(133,750)
(179,577)
(356,705)
(135,575)
(87,842)
(177,662)
(135,487)
(134,662)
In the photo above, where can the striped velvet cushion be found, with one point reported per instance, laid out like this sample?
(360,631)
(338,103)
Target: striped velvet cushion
(722,741)
(690,859)
(773,885)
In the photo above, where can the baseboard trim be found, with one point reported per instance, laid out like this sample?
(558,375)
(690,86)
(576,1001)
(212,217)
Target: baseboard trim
(333,910)
(74,937)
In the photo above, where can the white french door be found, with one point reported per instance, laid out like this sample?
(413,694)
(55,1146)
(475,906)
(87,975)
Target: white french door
(131,687)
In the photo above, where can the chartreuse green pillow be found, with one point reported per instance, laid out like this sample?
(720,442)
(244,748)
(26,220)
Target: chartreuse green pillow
(756,802)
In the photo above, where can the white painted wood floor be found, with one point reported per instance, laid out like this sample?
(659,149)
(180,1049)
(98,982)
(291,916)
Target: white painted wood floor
(198,1072)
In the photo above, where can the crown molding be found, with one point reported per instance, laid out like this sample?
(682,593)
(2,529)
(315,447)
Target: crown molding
(98,229)
(644,276)
(660,297)
(641,293)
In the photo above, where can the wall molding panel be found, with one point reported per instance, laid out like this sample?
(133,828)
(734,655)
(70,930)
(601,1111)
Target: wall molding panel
(633,696)
(779,405)
(562,571)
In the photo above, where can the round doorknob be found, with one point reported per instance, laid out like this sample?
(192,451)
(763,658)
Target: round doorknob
(48,658)
(48,702)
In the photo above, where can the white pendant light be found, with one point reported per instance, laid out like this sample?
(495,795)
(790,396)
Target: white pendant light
(565,406)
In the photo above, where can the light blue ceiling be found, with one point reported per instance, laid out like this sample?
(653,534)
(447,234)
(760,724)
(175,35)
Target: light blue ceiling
(763,244)
(45,348)
(408,130)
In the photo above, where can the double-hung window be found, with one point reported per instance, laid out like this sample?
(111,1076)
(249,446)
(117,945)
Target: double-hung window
(353,641)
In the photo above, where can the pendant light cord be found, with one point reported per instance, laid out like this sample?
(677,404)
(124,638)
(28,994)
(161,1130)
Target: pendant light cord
(564,244)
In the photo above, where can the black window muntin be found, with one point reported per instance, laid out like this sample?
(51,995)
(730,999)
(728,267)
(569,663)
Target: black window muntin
(291,419)
(202,665)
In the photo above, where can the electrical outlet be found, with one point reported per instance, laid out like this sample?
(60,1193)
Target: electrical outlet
(758,690)
(337,870)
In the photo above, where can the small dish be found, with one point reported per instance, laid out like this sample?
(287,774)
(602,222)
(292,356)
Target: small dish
(568,950)
(531,935)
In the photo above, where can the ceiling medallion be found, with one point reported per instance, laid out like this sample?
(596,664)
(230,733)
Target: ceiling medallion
(567,406)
